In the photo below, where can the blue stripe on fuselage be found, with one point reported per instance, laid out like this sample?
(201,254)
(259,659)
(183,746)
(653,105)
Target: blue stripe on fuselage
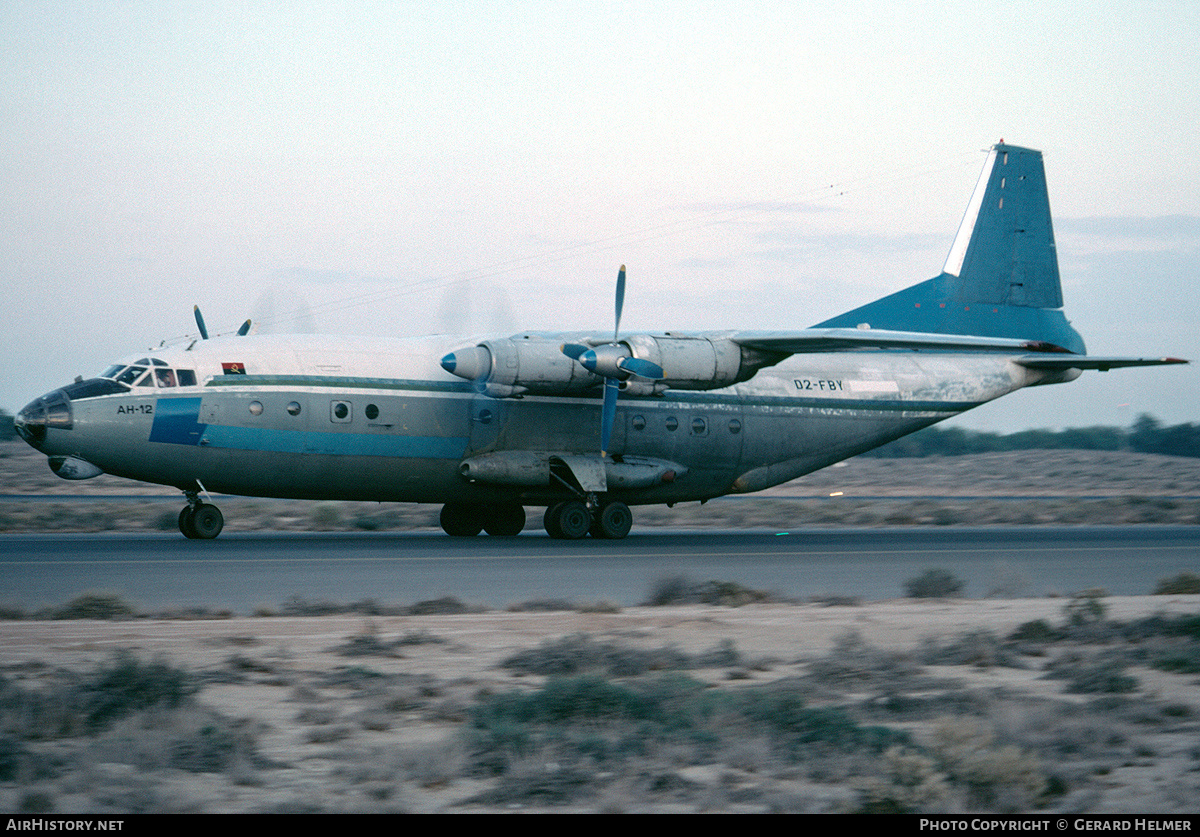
(336,444)
(177,421)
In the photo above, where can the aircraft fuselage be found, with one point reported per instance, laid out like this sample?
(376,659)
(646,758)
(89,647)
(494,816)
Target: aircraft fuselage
(580,423)
(356,419)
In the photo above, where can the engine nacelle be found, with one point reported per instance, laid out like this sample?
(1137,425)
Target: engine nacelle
(513,366)
(531,363)
(696,362)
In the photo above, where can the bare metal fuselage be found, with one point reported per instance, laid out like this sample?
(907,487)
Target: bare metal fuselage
(378,420)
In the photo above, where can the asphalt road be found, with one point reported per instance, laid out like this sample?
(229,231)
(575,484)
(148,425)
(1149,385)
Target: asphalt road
(244,571)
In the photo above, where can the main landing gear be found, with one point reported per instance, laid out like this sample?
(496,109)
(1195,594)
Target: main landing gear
(568,520)
(200,521)
(462,520)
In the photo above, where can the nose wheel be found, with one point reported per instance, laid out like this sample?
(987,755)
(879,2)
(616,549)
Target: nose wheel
(201,521)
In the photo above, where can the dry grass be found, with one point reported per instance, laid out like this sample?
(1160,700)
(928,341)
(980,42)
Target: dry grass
(910,705)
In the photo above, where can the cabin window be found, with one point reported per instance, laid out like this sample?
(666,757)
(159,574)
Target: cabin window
(672,423)
(187,377)
(699,426)
(256,408)
(372,412)
(293,408)
(339,412)
(735,426)
(639,422)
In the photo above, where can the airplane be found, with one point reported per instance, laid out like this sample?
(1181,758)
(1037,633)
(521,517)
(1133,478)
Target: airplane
(583,424)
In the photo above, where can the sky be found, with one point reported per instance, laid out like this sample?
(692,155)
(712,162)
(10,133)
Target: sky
(404,168)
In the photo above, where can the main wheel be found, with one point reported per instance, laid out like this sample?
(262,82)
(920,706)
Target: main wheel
(550,521)
(504,519)
(461,521)
(571,520)
(186,524)
(207,521)
(613,522)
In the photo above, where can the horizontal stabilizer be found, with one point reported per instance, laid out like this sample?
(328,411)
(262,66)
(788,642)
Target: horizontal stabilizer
(1103,364)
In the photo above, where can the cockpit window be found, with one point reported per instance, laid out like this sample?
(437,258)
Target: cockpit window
(129,375)
(161,374)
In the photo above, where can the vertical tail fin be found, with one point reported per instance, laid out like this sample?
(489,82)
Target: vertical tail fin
(1001,277)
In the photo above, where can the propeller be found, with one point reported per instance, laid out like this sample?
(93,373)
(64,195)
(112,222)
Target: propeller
(241,332)
(614,362)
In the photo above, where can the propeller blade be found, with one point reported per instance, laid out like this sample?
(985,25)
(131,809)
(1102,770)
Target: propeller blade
(620,302)
(608,414)
(200,323)
(641,368)
(574,350)
(245,329)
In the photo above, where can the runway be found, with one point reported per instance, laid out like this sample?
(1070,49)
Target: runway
(244,571)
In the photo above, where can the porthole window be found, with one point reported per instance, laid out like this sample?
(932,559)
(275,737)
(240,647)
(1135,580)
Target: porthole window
(293,408)
(256,408)
(699,426)
(339,411)
(672,423)
(485,416)
(639,422)
(735,426)
(372,412)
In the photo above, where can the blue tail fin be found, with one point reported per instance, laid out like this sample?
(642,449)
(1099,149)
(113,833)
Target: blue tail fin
(1001,277)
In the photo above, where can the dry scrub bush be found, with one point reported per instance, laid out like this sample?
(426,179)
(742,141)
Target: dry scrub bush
(1003,778)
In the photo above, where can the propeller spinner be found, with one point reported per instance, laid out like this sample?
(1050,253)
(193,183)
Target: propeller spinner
(614,362)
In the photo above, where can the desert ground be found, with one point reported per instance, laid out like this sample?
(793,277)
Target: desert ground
(1086,704)
(1020,487)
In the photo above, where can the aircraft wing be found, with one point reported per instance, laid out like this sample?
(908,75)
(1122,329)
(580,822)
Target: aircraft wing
(812,340)
(1045,355)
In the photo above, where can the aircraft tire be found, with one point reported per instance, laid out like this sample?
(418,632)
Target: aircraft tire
(572,520)
(207,521)
(186,523)
(460,520)
(504,520)
(614,521)
(550,521)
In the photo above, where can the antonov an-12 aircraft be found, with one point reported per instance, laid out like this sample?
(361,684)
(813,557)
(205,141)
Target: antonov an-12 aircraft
(584,424)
